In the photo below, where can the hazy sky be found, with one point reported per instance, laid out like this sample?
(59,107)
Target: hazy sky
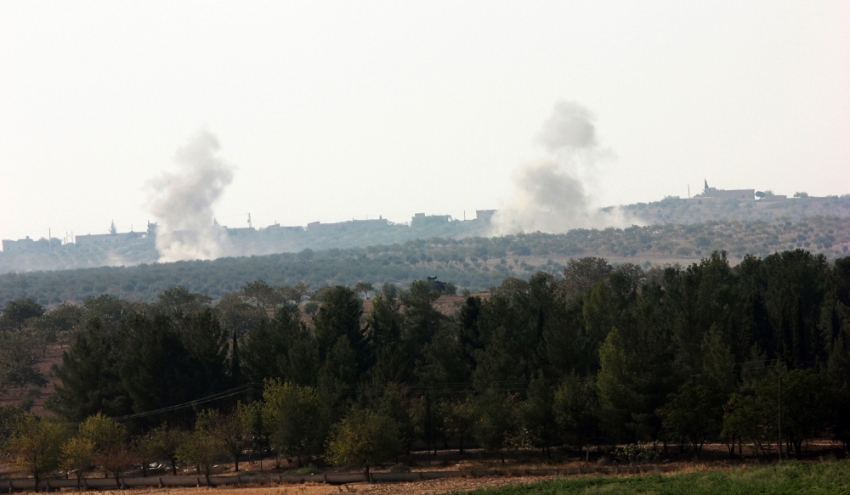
(339,110)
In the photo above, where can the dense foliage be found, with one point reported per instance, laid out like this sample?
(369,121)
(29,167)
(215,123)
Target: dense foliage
(599,355)
(476,263)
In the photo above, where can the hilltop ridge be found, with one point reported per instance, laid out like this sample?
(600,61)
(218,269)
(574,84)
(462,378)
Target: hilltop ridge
(134,248)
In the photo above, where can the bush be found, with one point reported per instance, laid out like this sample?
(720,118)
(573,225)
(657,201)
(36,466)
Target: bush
(309,469)
(638,452)
(400,468)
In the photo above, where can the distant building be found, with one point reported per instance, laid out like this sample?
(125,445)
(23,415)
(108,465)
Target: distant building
(278,229)
(484,215)
(27,244)
(10,246)
(240,231)
(89,239)
(349,226)
(729,194)
(421,220)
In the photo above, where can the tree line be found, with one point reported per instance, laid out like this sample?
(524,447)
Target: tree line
(594,356)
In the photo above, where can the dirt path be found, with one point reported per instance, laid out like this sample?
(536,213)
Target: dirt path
(430,487)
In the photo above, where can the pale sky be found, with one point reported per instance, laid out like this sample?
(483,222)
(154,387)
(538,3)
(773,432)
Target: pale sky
(339,110)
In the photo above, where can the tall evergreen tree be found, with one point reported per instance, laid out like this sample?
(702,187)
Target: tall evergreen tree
(90,377)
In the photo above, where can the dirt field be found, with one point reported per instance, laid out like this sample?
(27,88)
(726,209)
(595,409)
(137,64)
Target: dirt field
(431,487)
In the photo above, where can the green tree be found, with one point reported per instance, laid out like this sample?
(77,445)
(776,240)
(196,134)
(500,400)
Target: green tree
(691,414)
(442,361)
(37,446)
(112,450)
(394,405)
(838,375)
(422,320)
(292,295)
(262,294)
(583,274)
(393,361)
(576,408)
(694,412)
(59,320)
(231,430)
(161,443)
(363,288)
(77,456)
(180,301)
(20,352)
(89,376)
(237,316)
(537,414)
(806,405)
(17,312)
(10,418)
(636,362)
(470,335)
(745,418)
(796,287)
(283,348)
(291,415)
(600,311)
(207,344)
(633,383)
(156,369)
(339,317)
(460,420)
(201,447)
(363,438)
(497,423)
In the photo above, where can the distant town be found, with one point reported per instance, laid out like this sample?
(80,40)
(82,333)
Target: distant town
(710,196)
(419,221)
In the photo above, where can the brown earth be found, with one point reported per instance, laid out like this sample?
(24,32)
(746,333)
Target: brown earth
(53,355)
(434,487)
(482,471)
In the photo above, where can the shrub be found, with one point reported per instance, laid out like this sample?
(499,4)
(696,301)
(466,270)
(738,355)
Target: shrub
(400,468)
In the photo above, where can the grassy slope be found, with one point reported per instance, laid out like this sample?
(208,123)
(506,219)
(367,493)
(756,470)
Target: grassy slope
(791,478)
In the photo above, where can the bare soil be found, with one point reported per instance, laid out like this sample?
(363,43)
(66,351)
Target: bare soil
(431,487)
(53,355)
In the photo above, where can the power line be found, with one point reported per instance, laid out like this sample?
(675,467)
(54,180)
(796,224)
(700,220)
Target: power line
(203,400)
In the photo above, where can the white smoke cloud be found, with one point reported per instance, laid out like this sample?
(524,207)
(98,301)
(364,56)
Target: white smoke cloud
(551,192)
(182,203)
(570,128)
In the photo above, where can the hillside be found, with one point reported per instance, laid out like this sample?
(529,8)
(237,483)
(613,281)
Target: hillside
(475,263)
(134,249)
(699,210)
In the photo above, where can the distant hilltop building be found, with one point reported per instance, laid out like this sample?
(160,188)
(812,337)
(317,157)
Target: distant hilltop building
(28,244)
(85,240)
(364,225)
(19,245)
(485,215)
(733,194)
(421,219)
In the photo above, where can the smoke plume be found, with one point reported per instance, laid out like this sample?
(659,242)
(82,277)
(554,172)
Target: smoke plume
(552,192)
(182,202)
